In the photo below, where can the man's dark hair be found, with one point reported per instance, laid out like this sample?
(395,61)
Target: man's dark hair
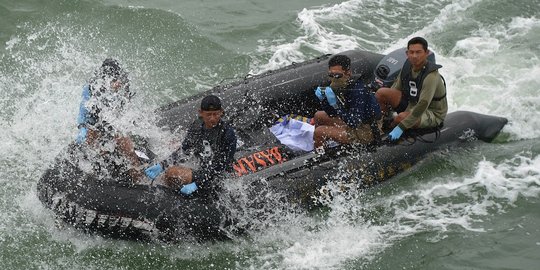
(418,40)
(340,60)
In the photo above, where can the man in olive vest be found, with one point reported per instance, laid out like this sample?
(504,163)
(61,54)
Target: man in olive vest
(419,93)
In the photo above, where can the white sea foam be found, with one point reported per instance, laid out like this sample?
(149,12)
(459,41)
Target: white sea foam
(44,93)
(346,26)
(434,207)
(494,72)
(330,248)
(316,35)
(43,100)
(494,188)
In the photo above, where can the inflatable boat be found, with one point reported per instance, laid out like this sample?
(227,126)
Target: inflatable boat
(116,208)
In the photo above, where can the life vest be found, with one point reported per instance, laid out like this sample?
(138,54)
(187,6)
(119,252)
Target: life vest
(410,87)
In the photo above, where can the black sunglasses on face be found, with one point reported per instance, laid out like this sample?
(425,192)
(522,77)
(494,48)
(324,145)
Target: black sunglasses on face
(335,75)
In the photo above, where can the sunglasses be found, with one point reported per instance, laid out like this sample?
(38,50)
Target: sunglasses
(335,75)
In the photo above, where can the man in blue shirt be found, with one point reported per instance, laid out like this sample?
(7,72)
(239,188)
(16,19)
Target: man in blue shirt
(350,112)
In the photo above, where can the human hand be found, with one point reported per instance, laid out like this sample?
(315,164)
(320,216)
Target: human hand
(330,96)
(395,134)
(81,137)
(319,93)
(188,189)
(153,171)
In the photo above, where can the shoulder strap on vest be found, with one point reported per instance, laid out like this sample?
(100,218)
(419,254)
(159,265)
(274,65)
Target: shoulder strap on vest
(406,75)
(443,96)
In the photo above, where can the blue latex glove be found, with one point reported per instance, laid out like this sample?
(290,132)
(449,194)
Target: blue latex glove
(395,134)
(330,96)
(188,189)
(153,171)
(319,94)
(81,137)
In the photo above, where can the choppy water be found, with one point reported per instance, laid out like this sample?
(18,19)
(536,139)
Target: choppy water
(473,209)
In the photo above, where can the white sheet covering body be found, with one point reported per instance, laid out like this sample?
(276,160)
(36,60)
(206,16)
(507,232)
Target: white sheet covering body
(297,135)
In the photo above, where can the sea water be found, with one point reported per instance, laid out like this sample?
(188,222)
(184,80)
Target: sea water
(475,208)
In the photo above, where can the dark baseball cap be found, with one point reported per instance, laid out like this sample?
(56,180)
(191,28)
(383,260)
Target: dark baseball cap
(211,103)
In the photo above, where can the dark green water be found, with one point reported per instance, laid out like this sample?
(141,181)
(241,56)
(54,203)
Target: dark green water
(473,209)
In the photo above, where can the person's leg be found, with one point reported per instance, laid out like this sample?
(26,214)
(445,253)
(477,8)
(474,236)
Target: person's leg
(388,97)
(92,136)
(362,134)
(177,176)
(321,118)
(328,128)
(403,115)
(429,120)
(325,133)
(127,148)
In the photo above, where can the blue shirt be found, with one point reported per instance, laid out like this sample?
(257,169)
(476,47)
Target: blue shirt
(357,106)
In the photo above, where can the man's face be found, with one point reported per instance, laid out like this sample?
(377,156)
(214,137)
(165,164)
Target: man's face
(210,118)
(116,84)
(339,77)
(417,56)
(112,84)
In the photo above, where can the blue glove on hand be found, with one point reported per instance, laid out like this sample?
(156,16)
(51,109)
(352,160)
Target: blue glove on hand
(395,134)
(153,171)
(81,137)
(319,93)
(330,96)
(188,189)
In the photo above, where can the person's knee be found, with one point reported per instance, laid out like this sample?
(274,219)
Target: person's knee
(320,118)
(388,96)
(383,94)
(319,115)
(379,95)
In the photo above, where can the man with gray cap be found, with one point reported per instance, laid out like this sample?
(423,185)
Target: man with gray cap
(108,90)
(212,141)
(103,98)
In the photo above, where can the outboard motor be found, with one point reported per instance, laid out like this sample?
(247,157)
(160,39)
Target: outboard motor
(389,67)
